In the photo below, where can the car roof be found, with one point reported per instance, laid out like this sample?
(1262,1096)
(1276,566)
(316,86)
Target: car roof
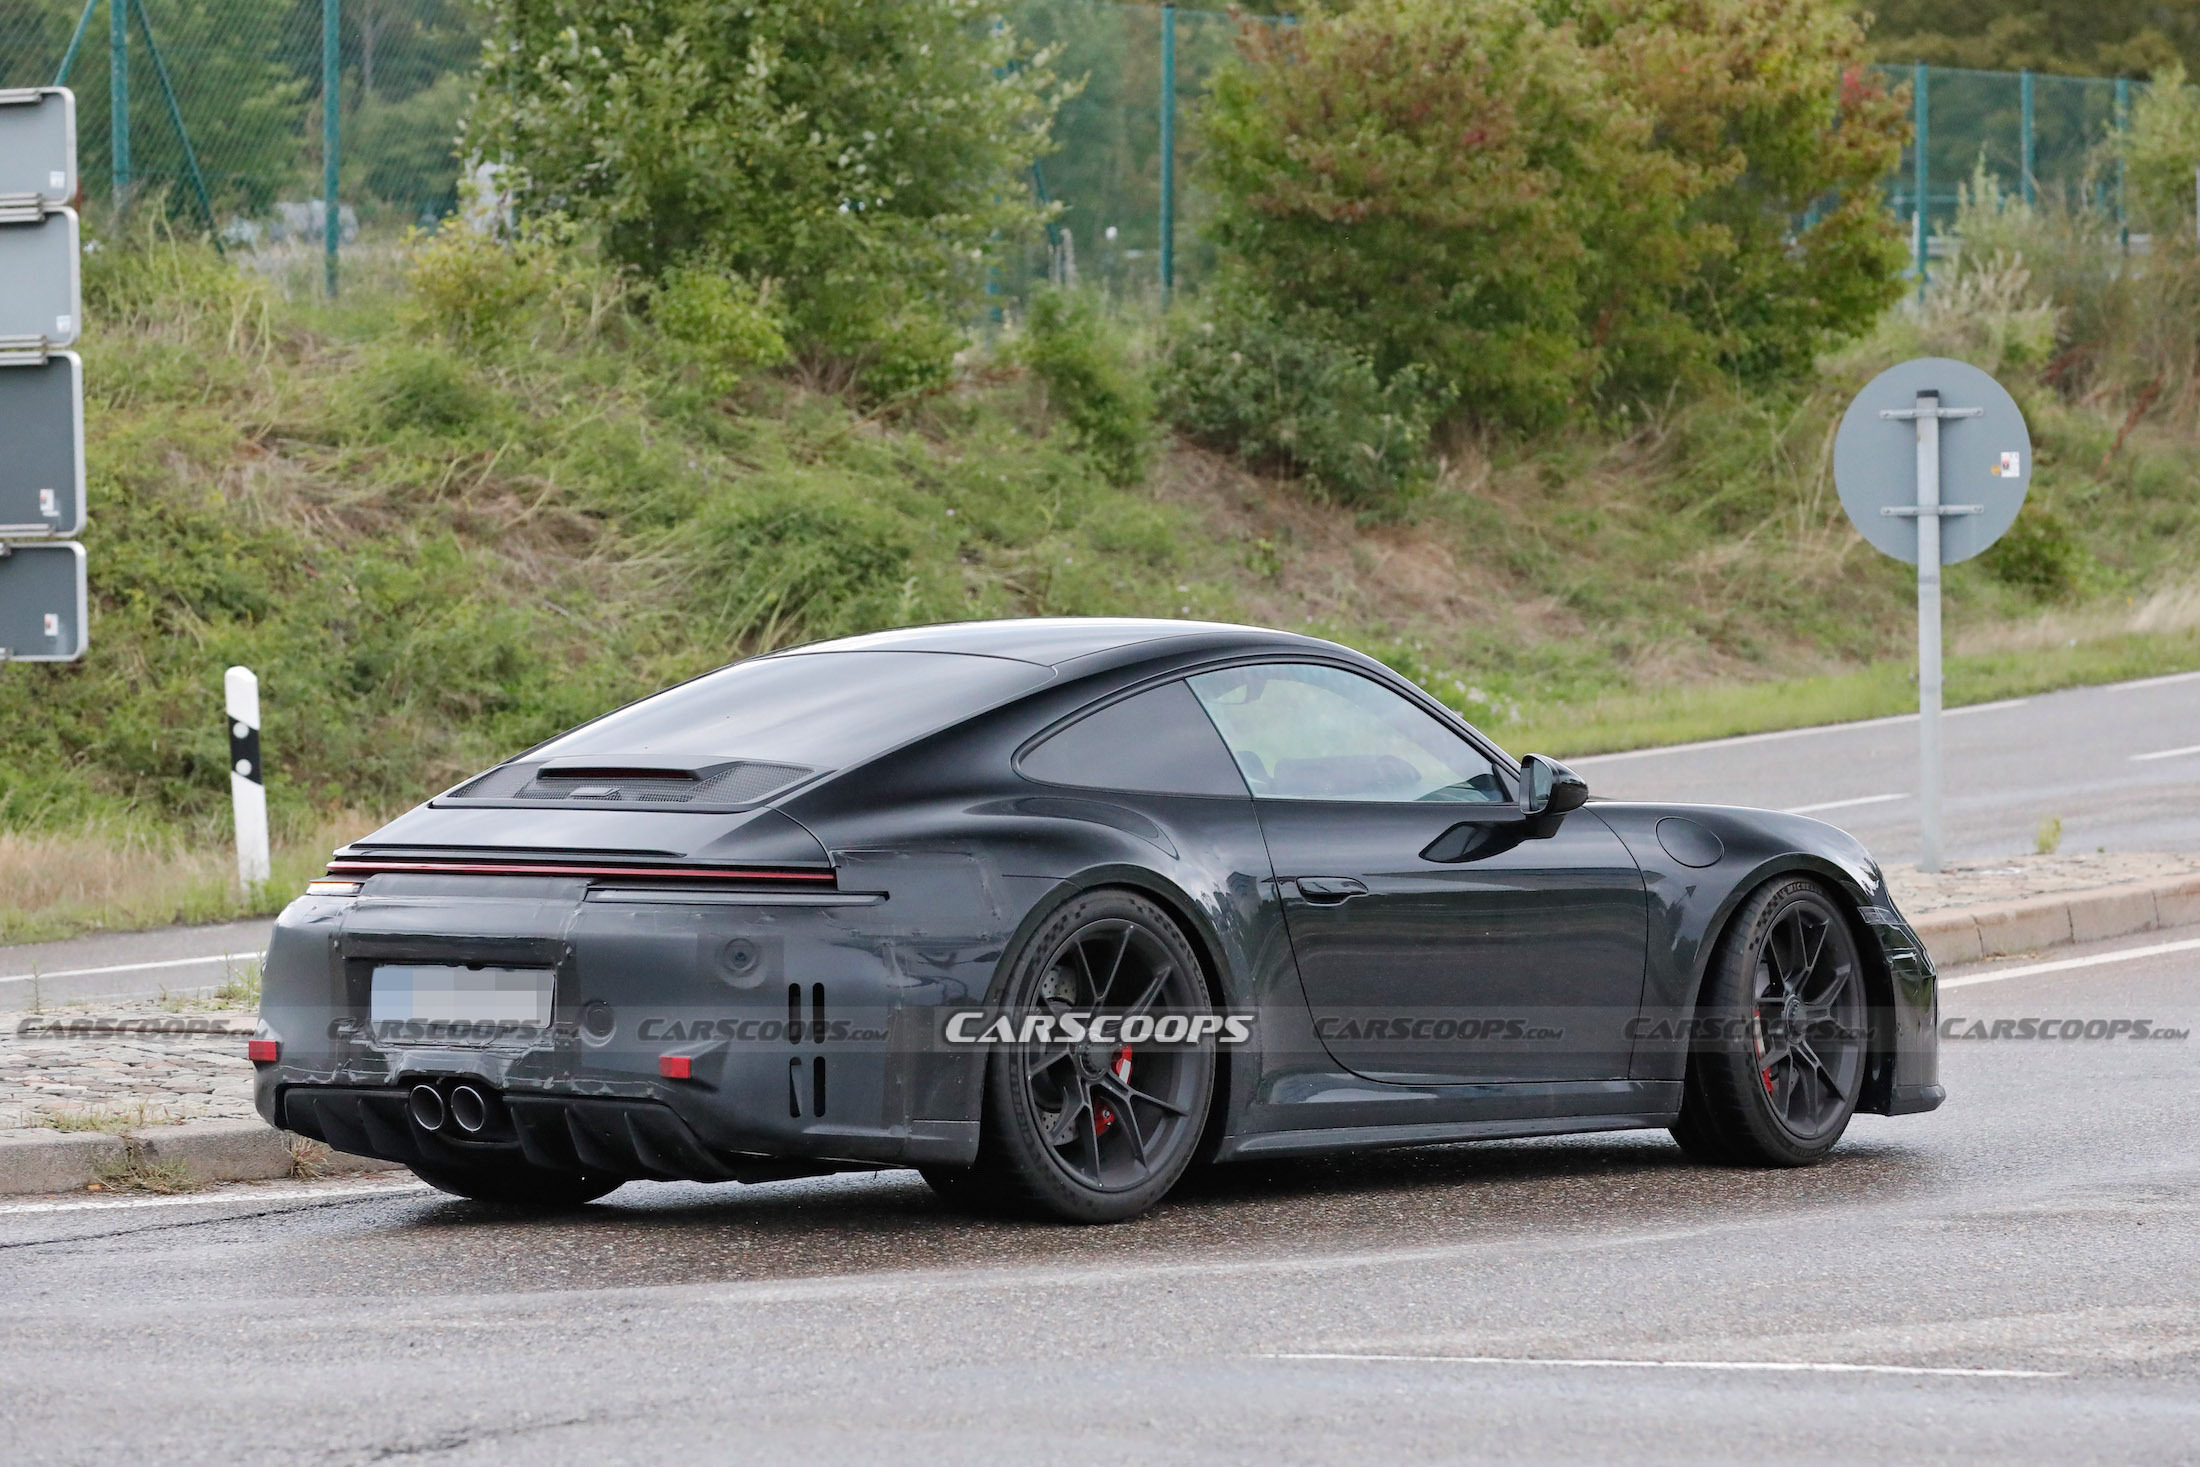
(1051,641)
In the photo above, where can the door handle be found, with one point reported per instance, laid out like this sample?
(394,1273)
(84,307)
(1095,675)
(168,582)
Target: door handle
(1329,890)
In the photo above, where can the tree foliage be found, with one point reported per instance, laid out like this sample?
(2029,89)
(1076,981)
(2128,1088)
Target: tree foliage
(869,156)
(2074,37)
(1538,201)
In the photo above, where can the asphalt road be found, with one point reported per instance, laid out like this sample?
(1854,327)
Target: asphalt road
(2015,1277)
(2119,766)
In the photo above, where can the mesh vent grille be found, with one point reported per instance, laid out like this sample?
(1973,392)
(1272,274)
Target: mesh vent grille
(740,782)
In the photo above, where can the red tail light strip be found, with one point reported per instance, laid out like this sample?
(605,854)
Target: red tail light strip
(627,873)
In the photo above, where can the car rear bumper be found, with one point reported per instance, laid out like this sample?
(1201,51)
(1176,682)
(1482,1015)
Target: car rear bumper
(804,1031)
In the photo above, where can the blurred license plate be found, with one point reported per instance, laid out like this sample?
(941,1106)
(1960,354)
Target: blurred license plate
(449,993)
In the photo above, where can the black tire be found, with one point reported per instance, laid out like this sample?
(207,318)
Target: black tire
(1783,1038)
(517,1184)
(1094,1133)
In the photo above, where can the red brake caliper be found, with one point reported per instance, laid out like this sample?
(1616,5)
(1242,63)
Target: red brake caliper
(1103,1116)
(1757,1028)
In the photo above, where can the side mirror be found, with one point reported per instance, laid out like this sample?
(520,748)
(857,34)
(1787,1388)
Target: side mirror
(1548,789)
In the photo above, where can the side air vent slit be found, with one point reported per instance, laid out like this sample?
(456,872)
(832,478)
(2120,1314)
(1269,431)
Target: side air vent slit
(794,1088)
(794,1013)
(817,1086)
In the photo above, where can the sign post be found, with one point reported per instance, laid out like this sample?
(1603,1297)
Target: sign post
(42,583)
(1969,461)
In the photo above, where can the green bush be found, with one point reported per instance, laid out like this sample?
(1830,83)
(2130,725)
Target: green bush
(482,291)
(1537,203)
(1282,393)
(1093,383)
(2159,151)
(2039,555)
(873,157)
(724,325)
(418,386)
(801,557)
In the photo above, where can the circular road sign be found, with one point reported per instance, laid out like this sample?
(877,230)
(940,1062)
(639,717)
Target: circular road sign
(1984,460)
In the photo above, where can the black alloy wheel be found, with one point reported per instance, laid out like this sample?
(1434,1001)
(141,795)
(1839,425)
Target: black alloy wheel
(1780,1060)
(1095,1128)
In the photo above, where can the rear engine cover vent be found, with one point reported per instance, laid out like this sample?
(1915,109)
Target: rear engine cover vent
(716,785)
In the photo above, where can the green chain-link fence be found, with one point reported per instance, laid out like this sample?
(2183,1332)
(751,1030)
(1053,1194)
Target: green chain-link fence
(245,77)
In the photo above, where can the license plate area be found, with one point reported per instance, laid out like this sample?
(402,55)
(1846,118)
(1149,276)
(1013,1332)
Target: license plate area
(459,1004)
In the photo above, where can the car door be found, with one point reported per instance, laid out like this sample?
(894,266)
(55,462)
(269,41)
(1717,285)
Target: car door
(1436,937)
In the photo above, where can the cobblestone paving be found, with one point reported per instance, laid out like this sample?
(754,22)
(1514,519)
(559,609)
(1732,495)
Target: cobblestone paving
(172,1077)
(1973,883)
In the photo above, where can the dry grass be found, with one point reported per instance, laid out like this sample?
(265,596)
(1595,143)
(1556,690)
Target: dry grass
(113,1120)
(133,1171)
(2171,610)
(107,877)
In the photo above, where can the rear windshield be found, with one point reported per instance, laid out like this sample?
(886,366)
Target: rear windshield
(821,710)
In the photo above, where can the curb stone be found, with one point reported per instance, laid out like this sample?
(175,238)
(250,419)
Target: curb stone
(1957,935)
(213,1151)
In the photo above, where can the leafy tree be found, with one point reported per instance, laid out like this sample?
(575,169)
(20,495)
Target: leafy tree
(1535,201)
(1772,110)
(2074,37)
(868,156)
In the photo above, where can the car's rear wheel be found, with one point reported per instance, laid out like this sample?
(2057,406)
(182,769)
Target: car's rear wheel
(1783,1037)
(1096,1129)
(516,1183)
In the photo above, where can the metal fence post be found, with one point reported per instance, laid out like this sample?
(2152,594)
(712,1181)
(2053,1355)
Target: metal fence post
(1168,152)
(2024,152)
(2123,126)
(118,97)
(1921,81)
(332,106)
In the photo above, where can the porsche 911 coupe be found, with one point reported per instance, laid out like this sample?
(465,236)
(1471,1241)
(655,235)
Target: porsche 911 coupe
(1055,910)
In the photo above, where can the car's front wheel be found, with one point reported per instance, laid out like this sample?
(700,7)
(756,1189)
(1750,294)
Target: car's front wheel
(1096,1128)
(1783,1033)
(516,1183)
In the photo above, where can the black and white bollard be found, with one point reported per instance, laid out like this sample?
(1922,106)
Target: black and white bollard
(247,778)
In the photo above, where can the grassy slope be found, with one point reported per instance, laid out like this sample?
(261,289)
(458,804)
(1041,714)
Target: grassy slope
(435,554)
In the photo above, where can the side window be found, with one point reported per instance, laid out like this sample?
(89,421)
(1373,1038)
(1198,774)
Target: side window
(1157,742)
(1301,731)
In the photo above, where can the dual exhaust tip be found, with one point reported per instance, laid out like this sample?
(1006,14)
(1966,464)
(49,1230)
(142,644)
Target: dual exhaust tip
(469,1110)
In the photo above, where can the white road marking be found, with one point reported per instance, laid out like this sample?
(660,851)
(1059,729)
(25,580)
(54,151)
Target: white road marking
(1792,733)
(1827,1367)
(2065,965)
(202,1199)
(1841,804)
(2151,682)
(2166,754)
(254,956)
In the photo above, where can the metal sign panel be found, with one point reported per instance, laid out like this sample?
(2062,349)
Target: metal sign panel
(42,447)
(40,288)
(1985,460)
(43,603)
(38,144)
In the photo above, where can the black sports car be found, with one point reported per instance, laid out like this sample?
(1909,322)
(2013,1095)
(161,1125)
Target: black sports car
(1053,910)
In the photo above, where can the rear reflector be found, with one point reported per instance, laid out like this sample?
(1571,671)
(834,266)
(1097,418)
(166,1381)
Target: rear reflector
(676,1066)
(263,1051)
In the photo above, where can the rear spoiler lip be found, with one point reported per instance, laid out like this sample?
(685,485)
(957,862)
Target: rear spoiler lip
(387,867)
